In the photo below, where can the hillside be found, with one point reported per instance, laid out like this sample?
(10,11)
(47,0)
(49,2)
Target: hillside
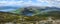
(30,14)
(8,17)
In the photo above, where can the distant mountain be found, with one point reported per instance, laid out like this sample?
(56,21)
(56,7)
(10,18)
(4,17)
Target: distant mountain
(39,10)
(47,9)
(8,7)
(44,8)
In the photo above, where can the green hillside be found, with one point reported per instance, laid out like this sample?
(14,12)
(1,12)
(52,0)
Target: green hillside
(8,17)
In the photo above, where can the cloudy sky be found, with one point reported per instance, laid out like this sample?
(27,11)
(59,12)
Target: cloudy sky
(30,3)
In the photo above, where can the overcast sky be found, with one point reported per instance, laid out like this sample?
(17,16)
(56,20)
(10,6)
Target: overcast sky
(30,3)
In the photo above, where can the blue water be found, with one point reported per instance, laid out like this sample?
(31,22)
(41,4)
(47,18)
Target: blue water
(30,14)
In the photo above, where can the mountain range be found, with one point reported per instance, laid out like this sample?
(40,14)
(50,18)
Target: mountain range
(37,9)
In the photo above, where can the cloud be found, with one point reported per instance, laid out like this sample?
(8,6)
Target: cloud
(51,2)
(55,3)
(30,2)
(12,2)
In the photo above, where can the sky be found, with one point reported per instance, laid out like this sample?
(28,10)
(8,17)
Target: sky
(29,2)
(50,3)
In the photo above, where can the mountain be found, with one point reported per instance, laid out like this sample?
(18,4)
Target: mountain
(35,10)
(30,10)
(8,7)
